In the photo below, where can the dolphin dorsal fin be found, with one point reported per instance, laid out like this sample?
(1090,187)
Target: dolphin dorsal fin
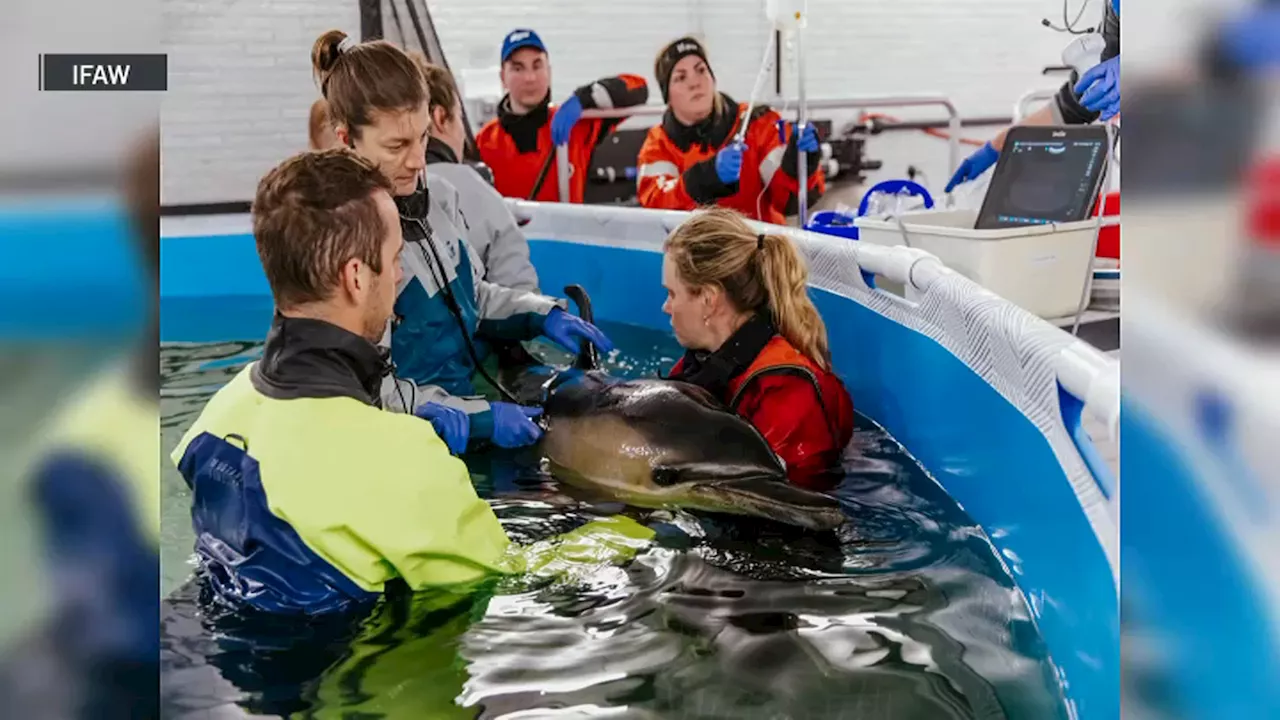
(588,356)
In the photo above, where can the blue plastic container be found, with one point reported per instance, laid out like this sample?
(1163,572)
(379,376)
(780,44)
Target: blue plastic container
(830,222)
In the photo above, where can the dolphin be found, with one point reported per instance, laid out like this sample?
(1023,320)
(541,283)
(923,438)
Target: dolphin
(660,443)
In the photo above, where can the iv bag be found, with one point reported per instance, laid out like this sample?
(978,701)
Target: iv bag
(787,14)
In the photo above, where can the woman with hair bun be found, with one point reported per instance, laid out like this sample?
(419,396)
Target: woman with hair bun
(379,105)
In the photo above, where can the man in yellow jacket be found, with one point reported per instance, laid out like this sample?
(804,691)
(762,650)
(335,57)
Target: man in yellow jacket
(307,495)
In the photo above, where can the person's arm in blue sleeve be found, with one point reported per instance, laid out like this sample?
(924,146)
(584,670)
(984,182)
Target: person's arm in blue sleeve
(507,314)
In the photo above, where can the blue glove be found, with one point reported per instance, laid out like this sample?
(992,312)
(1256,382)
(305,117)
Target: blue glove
(451,424)
(569,330)
(513,426)
(729,163)
(1253,40)
(808,139)
(566,116)
(1099,88)
(974,165)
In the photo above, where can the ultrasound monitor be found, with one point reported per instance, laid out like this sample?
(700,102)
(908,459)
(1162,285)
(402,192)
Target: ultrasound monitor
(1045,175)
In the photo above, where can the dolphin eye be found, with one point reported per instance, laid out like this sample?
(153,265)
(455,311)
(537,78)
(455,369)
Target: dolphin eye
(665,476)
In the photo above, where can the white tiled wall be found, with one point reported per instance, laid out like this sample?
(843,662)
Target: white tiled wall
(240,83)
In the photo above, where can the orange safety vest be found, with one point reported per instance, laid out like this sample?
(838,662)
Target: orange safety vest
(807,423)
(516,162)
(515,172)
(778,356)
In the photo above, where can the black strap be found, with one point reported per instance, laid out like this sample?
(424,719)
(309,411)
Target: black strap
(714,371)
(797,371)
(542,174)
(452,303)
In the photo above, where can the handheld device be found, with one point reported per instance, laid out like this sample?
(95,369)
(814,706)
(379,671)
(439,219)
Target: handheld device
(1045,175)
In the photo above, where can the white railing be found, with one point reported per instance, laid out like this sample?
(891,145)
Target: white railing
(1023,107)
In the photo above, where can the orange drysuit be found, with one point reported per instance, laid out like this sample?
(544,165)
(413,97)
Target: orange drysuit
(517,147)
(677,165)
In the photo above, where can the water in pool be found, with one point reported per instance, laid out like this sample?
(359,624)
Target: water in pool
(908,613)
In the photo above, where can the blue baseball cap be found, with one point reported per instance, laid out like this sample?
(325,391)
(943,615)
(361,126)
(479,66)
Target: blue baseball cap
(520,38)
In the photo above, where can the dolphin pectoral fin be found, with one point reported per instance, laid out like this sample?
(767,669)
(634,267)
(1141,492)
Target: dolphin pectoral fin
(776,500)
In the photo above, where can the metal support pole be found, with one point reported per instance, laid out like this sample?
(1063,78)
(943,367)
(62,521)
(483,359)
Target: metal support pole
(371,20)
(1023,107)
(562,171)
(802,158)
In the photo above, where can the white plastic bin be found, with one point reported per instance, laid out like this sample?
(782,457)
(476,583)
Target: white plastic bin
(1041,268)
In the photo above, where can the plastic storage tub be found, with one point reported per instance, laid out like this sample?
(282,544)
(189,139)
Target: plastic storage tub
(1041,268)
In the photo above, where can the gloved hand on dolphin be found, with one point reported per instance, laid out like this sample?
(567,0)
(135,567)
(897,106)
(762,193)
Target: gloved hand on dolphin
(568,331)
(510,425)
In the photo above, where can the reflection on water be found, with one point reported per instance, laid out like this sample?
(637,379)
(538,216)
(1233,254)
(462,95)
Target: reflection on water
(907,613)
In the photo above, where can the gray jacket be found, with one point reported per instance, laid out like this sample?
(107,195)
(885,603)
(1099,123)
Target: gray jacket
(428,347)
(491,230)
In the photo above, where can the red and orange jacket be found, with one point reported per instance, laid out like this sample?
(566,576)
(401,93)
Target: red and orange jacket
(676,166)
(516,147)
(804,412)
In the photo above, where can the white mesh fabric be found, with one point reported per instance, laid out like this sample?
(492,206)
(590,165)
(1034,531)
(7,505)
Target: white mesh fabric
(1014,351)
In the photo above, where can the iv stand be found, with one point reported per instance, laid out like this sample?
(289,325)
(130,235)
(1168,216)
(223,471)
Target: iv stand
(802,116)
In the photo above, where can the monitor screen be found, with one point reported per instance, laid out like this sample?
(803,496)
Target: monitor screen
(1045,175)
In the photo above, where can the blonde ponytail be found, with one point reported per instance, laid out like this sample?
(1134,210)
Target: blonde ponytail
(786,280)
(716,247)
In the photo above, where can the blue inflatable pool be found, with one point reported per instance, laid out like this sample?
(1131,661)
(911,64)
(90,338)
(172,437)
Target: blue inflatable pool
(987,397)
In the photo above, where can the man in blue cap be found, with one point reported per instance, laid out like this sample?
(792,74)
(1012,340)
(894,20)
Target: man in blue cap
(520,144)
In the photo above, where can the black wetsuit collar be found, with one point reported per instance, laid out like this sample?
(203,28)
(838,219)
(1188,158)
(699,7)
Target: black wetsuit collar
(711,133)
(524,129)
(306,358)
(415,205)
(713,371)
(438,151)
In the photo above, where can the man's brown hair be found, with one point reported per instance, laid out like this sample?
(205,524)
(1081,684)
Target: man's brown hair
(313,213)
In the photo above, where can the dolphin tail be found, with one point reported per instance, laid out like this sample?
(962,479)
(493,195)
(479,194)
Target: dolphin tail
(777,500)
(588,356)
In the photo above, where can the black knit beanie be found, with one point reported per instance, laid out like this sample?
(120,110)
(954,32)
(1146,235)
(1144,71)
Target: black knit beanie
(671,55)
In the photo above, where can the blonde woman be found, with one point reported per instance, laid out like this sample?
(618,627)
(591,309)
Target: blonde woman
(753,339)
